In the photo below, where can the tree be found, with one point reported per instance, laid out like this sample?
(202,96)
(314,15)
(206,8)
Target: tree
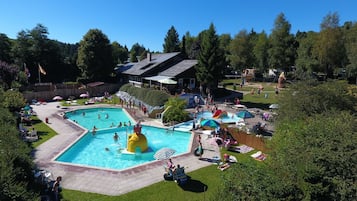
(8,74)
(192,47)
(22,50)
(13,100)
(306,62)
(175,110)
(136,51)
(32,48)
(224,42)
(329,47)
(351,51)
(183,47)
(5,48)
(281,52)
(16,181)
(70,55)
(211,61)
(241,50)
(312,153)
(172,42)
(318,154)
(95,58)
(260,51)
(120,53)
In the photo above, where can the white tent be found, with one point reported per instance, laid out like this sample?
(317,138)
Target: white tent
(167,81)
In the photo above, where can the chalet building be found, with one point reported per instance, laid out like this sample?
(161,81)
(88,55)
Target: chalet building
(169,70)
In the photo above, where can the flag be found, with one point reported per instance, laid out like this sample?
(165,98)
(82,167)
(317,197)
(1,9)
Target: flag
(27,71)
(41,69)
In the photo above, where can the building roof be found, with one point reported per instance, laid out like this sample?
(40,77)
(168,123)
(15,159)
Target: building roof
(123,67)
(146,64)
(179,68)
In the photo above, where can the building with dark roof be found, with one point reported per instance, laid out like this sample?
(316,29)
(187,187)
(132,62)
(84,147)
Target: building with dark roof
(170,70)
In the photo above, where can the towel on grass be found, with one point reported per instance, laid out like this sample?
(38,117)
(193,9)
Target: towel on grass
(259,156)
(241,149)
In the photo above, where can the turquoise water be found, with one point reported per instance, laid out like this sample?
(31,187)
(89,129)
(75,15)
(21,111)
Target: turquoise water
(230,118)
(99,117)
(90,150)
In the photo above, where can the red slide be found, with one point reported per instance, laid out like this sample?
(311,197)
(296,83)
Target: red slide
(217,114)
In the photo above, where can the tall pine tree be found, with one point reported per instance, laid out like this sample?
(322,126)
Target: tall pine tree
(172,42)
(282,52)
(211,60)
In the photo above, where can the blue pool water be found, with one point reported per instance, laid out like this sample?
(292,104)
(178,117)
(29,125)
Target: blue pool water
(230,118)
(90,149)
(99,117)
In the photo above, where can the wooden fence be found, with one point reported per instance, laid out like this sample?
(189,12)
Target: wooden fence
(251,140)
(65,92)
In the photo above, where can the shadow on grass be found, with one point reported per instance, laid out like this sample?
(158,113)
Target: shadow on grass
(35,121)
(194,186)
(42,133)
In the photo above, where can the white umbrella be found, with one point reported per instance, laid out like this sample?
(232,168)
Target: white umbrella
(57,98)
(274,106)
(164,153)
(83,96)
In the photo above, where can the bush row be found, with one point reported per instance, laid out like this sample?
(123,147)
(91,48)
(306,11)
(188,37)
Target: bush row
(147,95)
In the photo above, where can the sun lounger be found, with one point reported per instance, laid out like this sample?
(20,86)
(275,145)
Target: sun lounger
(31,137)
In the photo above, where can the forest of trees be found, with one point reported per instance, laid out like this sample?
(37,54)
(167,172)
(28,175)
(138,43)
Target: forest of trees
(332,52)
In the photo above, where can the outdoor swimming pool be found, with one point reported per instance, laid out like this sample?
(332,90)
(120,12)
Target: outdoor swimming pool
(229,118)
(90,150)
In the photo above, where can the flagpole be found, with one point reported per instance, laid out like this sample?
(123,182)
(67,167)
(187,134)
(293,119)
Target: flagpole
(39,73)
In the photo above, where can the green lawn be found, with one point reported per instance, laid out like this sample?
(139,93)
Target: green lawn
(43,131)
(262,100)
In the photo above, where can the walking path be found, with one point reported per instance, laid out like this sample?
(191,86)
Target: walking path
(104,181)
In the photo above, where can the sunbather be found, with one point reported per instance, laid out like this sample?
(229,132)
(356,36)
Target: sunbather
(170,166)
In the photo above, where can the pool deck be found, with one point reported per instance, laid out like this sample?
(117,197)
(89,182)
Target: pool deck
(104,181)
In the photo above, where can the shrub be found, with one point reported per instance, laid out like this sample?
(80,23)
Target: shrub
(147,95)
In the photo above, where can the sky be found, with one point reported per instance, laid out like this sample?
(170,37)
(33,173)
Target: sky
(147,22)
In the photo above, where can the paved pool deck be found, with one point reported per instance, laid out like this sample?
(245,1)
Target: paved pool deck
(104,181)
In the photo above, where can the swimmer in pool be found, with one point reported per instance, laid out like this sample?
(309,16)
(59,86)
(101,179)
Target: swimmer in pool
(116,137)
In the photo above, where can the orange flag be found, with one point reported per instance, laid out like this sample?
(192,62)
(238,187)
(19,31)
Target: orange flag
(41,69)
